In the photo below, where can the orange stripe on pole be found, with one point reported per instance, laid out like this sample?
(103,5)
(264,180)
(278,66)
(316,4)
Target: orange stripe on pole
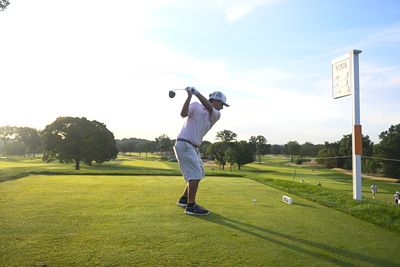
(358,139)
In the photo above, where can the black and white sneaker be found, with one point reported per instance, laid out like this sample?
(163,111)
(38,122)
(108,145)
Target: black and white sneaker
(182,202)
(196,210)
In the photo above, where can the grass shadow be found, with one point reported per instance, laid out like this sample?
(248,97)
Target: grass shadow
(303,205)
(14,177)
(313,249)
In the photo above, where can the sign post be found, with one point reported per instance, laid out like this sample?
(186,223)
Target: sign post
(345,81)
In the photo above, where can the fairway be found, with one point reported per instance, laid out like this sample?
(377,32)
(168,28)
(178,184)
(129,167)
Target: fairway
(133,220)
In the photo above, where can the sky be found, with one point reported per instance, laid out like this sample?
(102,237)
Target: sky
(115,62)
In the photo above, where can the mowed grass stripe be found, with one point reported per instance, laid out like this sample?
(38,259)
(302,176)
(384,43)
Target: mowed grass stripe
(133,220)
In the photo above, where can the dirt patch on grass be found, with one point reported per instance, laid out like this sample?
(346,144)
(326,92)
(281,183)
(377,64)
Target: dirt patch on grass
(210,163)
(369,176)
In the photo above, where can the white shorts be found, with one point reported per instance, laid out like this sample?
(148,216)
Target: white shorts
(189,161)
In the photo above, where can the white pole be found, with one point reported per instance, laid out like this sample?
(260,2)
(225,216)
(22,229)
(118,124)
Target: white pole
(357,135)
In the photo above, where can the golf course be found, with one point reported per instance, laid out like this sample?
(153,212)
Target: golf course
(124,213)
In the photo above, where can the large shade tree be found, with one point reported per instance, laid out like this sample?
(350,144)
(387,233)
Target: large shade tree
(78,139)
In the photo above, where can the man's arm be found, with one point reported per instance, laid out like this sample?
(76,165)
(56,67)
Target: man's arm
(185,108)
(204,101)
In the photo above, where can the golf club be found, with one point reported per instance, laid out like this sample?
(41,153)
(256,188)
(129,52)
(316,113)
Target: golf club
(172,92)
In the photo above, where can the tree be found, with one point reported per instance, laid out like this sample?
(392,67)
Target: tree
(226,136)
(31,139)
(218,149)
(371,165)
(19,140)
(165,144)
(293,149)
(327,155)
(389,147)
(276,149)
(78,139)
(218,152)
(345,149)
(368,146)
(240,153)
(148,146)
(102,144)
(259,145)
(6,134)
(136,145)
(14,147)
(308,150)
(204,150)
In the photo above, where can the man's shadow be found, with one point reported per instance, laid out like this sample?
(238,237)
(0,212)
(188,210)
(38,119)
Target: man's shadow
(300,245)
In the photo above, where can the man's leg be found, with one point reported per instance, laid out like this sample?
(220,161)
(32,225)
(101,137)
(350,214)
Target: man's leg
(189,195)
(185,193)
(192,207)
(182,202)
(191,190)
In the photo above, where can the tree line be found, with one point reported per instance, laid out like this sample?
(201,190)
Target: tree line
(382,158)
(67,139)
(77,140)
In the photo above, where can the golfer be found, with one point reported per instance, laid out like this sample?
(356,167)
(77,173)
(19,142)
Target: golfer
(374,189)
(397,198)
(199,118)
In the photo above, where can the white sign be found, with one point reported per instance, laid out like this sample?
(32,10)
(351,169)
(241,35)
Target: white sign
(341,77)
(287,199)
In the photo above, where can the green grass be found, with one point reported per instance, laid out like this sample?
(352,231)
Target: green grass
(133,220)
(336,191)
(330,179)
(123,165)
(19,167)
(123,213)
(380,213)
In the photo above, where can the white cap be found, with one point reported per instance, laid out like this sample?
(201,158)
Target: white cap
(219,96)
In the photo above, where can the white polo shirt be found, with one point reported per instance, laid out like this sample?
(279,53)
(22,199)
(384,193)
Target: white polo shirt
(198,123)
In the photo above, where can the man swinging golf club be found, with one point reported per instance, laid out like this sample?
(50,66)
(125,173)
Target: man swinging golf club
(199,118)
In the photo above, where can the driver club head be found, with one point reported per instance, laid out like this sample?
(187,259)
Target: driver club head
(171,94)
